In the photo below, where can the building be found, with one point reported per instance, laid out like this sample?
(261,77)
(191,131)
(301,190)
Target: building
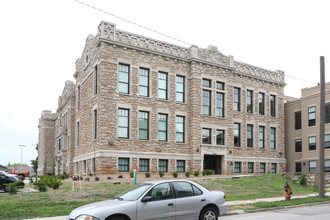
(153,106)
(302,131)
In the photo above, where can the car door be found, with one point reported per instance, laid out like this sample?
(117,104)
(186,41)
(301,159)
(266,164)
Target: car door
(159,204)
(189,200)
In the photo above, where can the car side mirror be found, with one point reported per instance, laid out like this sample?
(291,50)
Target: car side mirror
(147,199)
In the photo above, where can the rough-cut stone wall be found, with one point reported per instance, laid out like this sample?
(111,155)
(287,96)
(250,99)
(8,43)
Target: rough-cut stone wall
(46,142)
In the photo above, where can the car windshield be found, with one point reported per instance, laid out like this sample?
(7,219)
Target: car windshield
(134,192)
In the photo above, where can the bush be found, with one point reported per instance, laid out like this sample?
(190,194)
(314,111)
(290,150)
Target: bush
(147,174)
(13,187)
(131,174)
(41,186)
(161,173)
(204,172)
(53,182)
(187,174)
(175,174)
(196,173)
(302,179)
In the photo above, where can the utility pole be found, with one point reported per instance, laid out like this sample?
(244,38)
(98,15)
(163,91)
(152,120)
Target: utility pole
(22,145)
(322,121)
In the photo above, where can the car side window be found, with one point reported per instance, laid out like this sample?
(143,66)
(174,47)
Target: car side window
(197,191)
(160,192)
(183,189)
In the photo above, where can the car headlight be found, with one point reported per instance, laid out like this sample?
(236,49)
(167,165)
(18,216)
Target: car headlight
(86,217)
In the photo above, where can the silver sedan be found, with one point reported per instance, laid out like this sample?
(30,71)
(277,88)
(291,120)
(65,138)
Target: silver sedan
(161,199)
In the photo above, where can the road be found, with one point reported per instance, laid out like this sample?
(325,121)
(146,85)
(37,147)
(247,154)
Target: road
(313,212)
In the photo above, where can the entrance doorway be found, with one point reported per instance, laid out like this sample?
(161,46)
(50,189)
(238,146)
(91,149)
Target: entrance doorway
(212,162)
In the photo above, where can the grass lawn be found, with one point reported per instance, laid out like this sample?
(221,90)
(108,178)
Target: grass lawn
(64,200)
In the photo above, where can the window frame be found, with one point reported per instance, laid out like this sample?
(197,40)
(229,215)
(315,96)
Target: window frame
(261,137)
(95,80)
(272,100)
(274,168)
(163,79)
(249,132)
(249,101)
(298,147)
(181,166)
(220,136)
(237,138)
(297,120)
(273,138)
(178,131)
(249,168)
(311,116)
(145,167)
(208,137)
(220,104)
(95,130)
(144,118)
(262,167)
(122,166)
(311,145)
(127,127)
(142,75)
(122,82)
(237,99)
(178,82)
(314,168)
(160,120)
(261,101)
(206,102)
(238,167)
(163,166)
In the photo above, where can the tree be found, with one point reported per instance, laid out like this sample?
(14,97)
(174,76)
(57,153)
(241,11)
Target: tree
(34,163)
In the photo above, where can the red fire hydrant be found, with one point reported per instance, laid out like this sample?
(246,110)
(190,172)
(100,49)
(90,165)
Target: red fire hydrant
(288,192)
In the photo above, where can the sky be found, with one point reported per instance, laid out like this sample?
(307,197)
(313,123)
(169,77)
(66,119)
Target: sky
(40,40)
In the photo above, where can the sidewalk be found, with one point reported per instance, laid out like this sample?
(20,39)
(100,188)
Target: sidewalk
(231,203)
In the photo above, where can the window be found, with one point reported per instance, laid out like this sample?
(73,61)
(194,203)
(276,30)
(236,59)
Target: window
(181,166)
(160,192)
(144,82)
(163,164)
(262,167)
(220,105)
(312,143)
(206,102)
(237,167)
(95,80)
(298,145)
(123,79)
(249,101)
(180,131)
(249,135)
(60,144)
(298,167)
(85,166)
(180,89)
(162,85)
(206,136)
(327,112)
(220,137)
(274,167)
(123,164)
(78,134)
(123,126)
(297,120)
(207,83)
(78,98)
(237,134)
(184,189)
(262,103)
(237,99)
(311,116)
(261,137)
(272,138)
(77,167)
(144,165)
(162,127)
(327,141)
(312,166)
(250,167)
(143,125)
(95,124)
(220,85)
(327,166)
(273,105)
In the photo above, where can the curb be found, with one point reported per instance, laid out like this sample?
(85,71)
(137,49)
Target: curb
(285,207)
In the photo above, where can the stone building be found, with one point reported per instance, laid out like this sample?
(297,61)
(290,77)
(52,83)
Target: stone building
(153,106)
(302,131)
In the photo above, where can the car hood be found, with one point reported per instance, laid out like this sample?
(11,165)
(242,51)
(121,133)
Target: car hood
(103,209)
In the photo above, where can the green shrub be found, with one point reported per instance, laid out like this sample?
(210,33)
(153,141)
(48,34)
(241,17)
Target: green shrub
(53,182)
(131,174)
(302,179)
(161,173)
(187,173)
(196,173)
(41,186)
(175,174)
(204,172)
(147,174)
(13,187)
(209,172)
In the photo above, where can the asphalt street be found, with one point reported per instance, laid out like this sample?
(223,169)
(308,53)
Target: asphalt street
(312,212)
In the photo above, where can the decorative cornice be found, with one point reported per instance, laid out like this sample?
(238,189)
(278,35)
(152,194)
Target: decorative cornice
(109,33)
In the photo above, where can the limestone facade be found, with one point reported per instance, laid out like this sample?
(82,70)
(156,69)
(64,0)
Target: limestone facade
(148,105)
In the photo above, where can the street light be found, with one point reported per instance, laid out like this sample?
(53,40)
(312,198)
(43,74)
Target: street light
(22,145)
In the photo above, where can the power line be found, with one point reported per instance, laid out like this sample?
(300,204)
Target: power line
(292,77)
(123,19)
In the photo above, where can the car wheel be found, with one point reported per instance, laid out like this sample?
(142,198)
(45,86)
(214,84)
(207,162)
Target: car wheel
(6,188)
(208,213)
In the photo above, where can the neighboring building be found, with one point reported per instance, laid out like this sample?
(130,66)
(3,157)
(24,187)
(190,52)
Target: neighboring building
(2,167)
(302,131)
(152,106)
